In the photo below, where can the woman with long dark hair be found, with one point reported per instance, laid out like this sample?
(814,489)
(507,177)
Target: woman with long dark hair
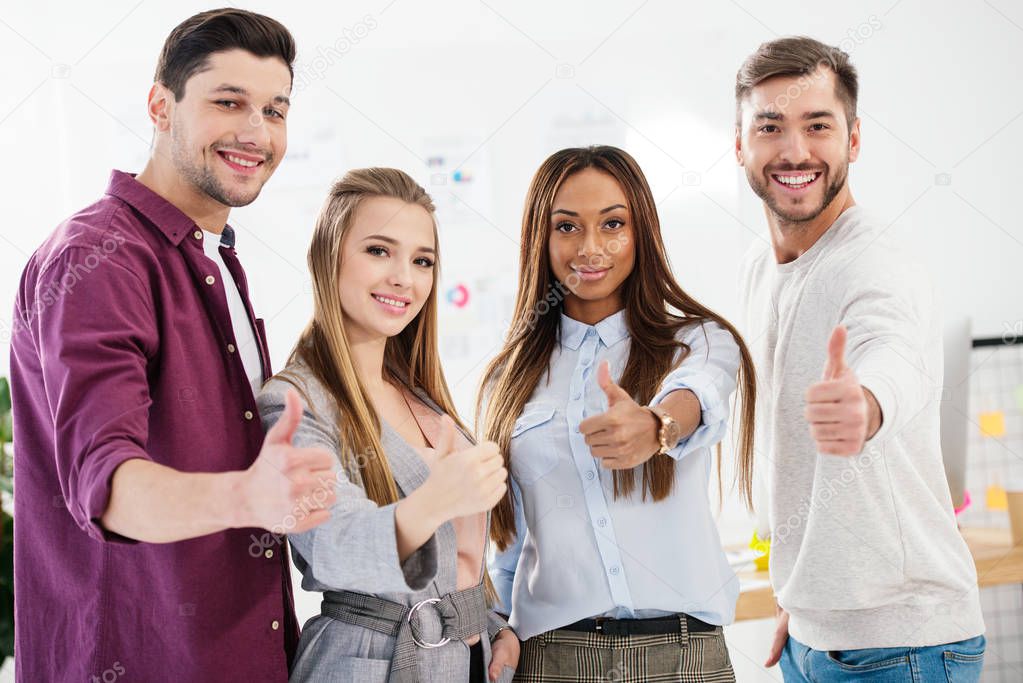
(606,399)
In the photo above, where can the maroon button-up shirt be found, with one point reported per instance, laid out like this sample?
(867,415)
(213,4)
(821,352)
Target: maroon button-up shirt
(121,350)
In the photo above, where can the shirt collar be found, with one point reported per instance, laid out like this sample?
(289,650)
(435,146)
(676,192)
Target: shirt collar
(168,219)
(611,329)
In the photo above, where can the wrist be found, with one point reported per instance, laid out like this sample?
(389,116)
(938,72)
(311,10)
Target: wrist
(232,504)
(419,506)
(874,417)
(668,432)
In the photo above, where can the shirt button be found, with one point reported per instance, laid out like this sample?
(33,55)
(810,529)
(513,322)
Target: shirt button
(590,475)
(197,234)
(614,571)
(248,414)
(602,522)
(210,279)
(230,348)
(275,624)
(268,554)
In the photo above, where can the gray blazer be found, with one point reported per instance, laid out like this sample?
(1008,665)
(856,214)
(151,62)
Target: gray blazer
(356,550)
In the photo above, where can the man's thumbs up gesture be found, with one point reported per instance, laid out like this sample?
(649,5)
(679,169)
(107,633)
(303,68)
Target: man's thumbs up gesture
(842,413)
(626,435)
(288,489)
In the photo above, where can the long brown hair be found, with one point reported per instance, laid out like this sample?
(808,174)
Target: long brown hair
(650,292)
(411,356)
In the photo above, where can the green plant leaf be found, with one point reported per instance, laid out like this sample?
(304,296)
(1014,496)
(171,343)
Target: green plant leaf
(5,396)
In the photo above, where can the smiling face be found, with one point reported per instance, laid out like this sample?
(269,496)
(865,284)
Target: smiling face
(591,246)
(796,145)
(388,258)
(228,132)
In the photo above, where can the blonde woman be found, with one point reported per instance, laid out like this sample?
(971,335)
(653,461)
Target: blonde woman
(608,396)
(401,560)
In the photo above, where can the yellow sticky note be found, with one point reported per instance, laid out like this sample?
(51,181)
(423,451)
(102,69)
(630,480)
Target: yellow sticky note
(762,561)
(996,498)
(993,423)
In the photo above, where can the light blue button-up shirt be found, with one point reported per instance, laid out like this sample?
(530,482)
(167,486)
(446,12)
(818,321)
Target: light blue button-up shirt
(579,553)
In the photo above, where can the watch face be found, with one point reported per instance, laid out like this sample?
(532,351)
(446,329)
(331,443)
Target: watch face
(673,434)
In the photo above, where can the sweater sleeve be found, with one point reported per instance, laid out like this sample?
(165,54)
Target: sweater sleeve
(894,341)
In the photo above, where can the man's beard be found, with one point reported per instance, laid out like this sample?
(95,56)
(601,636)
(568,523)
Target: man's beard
(205,180)
(763,191)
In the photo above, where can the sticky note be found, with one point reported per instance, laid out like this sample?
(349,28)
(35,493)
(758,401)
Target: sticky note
(1019,397)
(996,498)
(762,561)
(993,423)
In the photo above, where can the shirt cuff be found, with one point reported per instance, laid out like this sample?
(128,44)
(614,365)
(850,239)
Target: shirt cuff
(419,568)
(495,623)
(95,484)
(713,412)
(884,393)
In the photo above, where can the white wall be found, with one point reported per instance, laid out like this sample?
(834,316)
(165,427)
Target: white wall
(501,85)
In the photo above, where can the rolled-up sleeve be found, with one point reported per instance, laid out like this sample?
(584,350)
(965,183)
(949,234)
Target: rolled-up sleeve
(709,371)
(357,548)
(96,331)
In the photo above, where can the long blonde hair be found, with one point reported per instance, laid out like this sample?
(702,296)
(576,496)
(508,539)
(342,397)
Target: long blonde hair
(411,356)
(648,292)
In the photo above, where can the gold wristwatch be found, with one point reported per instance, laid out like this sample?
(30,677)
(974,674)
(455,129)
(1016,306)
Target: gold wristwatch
(669,432)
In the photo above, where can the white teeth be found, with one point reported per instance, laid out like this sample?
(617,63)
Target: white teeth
(796,179)
(392,302)
(240,161)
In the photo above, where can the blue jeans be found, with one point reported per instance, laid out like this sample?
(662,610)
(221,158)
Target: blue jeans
(955,663)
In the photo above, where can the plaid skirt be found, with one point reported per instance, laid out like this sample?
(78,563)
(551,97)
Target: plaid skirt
(571,656)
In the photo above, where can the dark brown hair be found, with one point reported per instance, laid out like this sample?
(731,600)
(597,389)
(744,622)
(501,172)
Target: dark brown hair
(798,56)
(188,47)
(656,309)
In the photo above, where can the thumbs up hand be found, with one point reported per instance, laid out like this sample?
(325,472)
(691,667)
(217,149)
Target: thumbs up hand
(627,434)
(461,482)
(287,489)
(842,414)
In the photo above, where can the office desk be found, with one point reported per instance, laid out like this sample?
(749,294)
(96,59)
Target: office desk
(998,562)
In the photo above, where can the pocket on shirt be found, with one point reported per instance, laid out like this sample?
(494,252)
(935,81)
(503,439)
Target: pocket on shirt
(532,443)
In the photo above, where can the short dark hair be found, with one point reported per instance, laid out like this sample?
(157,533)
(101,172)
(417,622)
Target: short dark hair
(798,56)
(188,47)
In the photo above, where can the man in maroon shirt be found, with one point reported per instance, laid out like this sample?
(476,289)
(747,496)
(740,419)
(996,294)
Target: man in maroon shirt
(144,481)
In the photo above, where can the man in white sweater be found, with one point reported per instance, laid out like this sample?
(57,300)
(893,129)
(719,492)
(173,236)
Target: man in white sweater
(871,574)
